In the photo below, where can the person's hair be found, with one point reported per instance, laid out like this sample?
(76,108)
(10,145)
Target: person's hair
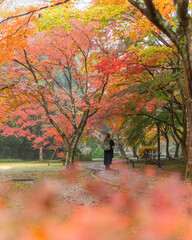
(107,137)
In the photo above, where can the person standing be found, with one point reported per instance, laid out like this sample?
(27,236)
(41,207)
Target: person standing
(108,151)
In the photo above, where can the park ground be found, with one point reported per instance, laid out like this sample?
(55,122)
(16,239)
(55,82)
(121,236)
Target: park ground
(22,176)
(41,202)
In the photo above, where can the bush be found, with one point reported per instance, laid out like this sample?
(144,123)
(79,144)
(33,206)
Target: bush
(98,152)
(148,153)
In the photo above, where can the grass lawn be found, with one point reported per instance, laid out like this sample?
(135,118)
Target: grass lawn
(168,166)
(39,171)
(29,166)
(28,170)
(16,165)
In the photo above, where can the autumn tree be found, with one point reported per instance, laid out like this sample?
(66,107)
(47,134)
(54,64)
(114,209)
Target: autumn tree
(28,121)
(146,82)
(168,22)
(61,77)
(179,33)
(16,22)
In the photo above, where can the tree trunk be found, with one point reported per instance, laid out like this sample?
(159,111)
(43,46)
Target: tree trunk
(41,154)
(167,144)
(177,144)
(70,156)
(189,143)
(182,39)
(187,65)
(164,133)
(120,147)
(134,151)
(167,147)
(184,149)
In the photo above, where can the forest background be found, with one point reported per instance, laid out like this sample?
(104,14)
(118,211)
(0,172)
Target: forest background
(70,74)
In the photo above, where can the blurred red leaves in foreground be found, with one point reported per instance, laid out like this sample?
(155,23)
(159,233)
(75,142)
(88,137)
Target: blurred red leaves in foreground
(136,211)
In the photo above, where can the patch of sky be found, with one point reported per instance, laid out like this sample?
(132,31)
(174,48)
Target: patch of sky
(15,3)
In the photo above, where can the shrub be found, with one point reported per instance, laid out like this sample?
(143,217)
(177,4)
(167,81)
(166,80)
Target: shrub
(98,152)
(147,152)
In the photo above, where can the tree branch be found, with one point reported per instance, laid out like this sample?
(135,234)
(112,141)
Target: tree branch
(100,97)
(148,9)
(182,12)
(154,118)
(32,11)
(44,102)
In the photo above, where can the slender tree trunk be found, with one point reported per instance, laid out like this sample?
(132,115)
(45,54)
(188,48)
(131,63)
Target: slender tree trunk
(167,147)
(164,133)
(134,151)
(41,154)
(177,144)
(167,144)
(52,156)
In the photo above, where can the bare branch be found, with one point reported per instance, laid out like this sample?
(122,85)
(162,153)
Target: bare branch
(162,39)
(100,97)
(32,11)
(43,100)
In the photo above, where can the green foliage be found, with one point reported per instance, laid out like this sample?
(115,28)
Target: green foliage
(107,14)
(153,104)
(135,130)
(17,148)
(59,16)
(157,54)
(98,152)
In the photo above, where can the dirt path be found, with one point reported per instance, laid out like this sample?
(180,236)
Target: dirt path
(91,185)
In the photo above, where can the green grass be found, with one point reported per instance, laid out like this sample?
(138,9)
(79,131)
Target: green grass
(29,166)
(168,166)
(18,165)
(14,160)
(26,161)
(97,159)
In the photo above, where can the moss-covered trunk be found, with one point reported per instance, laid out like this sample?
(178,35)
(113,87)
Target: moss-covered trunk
(70,158)
(186,53)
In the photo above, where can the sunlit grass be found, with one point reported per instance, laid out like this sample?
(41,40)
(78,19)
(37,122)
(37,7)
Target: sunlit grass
(30,166)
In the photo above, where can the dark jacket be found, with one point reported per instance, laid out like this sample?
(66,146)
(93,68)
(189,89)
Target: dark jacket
(108,155)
